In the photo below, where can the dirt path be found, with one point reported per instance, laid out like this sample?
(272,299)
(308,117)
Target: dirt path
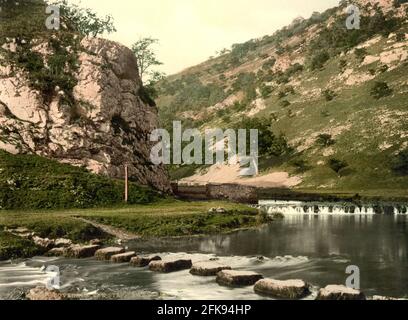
(116,232)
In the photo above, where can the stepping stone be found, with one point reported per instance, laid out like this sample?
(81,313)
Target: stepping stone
(237,278)
(208,268)
(143,261)
(289,289)
(339,292)
(107,253)
(42,293)
(170,265)
(78,251)
(123,257)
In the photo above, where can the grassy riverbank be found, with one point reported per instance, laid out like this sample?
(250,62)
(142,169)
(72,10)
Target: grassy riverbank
(161,219)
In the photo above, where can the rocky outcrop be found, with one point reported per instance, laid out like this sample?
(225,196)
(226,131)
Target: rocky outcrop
(237,278)
(79,252)
(339,292)
(289,289)
(107,127)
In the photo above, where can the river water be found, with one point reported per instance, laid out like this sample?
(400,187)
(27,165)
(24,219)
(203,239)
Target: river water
(315,248)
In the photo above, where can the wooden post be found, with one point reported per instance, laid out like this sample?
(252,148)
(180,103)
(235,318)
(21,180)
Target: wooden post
(126,183)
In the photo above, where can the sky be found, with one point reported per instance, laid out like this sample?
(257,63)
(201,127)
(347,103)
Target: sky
(190,31)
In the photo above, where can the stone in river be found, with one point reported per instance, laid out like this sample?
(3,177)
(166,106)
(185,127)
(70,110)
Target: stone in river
(140,261)
(78,251)
(42,293)
(208,268)
(107,253)
(339,292)
(123,257)
(289,289)
(170,265)
(237,278)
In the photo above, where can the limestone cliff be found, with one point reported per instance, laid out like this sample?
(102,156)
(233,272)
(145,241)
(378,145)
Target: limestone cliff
(102,123)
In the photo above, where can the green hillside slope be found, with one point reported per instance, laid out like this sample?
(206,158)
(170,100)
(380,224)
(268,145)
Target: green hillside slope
(340,97)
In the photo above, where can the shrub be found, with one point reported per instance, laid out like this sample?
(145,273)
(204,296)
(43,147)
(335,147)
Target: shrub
(380,90)
(329,95)
(325,140)
(301,165)
(360,54)
(284,103)
(318,61)
(337,165)
(400,165)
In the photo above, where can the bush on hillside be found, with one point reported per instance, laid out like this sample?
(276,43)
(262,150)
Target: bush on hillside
(329,95)
(318,60)
(325,140)
(400,165)
(337,165)
(380,90)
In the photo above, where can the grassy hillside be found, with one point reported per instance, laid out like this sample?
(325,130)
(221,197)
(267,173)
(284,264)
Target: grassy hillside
(340,97)
(33,182)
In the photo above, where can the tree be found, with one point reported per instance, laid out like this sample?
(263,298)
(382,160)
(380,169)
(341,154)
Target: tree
(400,165)
(146,57)
(325,140)
(83,20)
(337,165)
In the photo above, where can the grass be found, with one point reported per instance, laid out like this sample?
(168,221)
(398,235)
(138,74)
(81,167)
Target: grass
(166,218)
(13,247)
(29,182)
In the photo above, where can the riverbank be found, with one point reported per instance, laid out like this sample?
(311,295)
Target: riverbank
(166,218)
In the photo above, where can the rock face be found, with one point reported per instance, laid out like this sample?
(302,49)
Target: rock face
(290,289)
(208,268)
(107,253)
(143,261)
(170,265)
(109,125)
(237,278)
(339,292)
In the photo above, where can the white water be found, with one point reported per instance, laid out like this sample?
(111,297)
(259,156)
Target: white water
(324,208)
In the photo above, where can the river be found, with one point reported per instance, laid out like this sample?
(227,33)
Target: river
(315,248)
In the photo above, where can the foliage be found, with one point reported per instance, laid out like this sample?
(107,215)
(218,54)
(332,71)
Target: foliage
(360,54)
(319,59)
(337,165)
(400,165)
(329,95)
(380,90)
(84,20)
(13,247)
(32,182)
(325,140)
(146,57)
(268,142)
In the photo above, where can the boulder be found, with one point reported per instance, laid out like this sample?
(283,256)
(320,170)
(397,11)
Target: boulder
(63,242)
(139,261)
(289,289)
(123,257)
(384,298)
(208,268)
(56,252)
(339,292)
(170,265)
(42,293)
(44,243)
(107,253)
(237,278)
(78,251)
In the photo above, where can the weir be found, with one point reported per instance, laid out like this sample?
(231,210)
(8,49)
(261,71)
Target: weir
(323,208)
